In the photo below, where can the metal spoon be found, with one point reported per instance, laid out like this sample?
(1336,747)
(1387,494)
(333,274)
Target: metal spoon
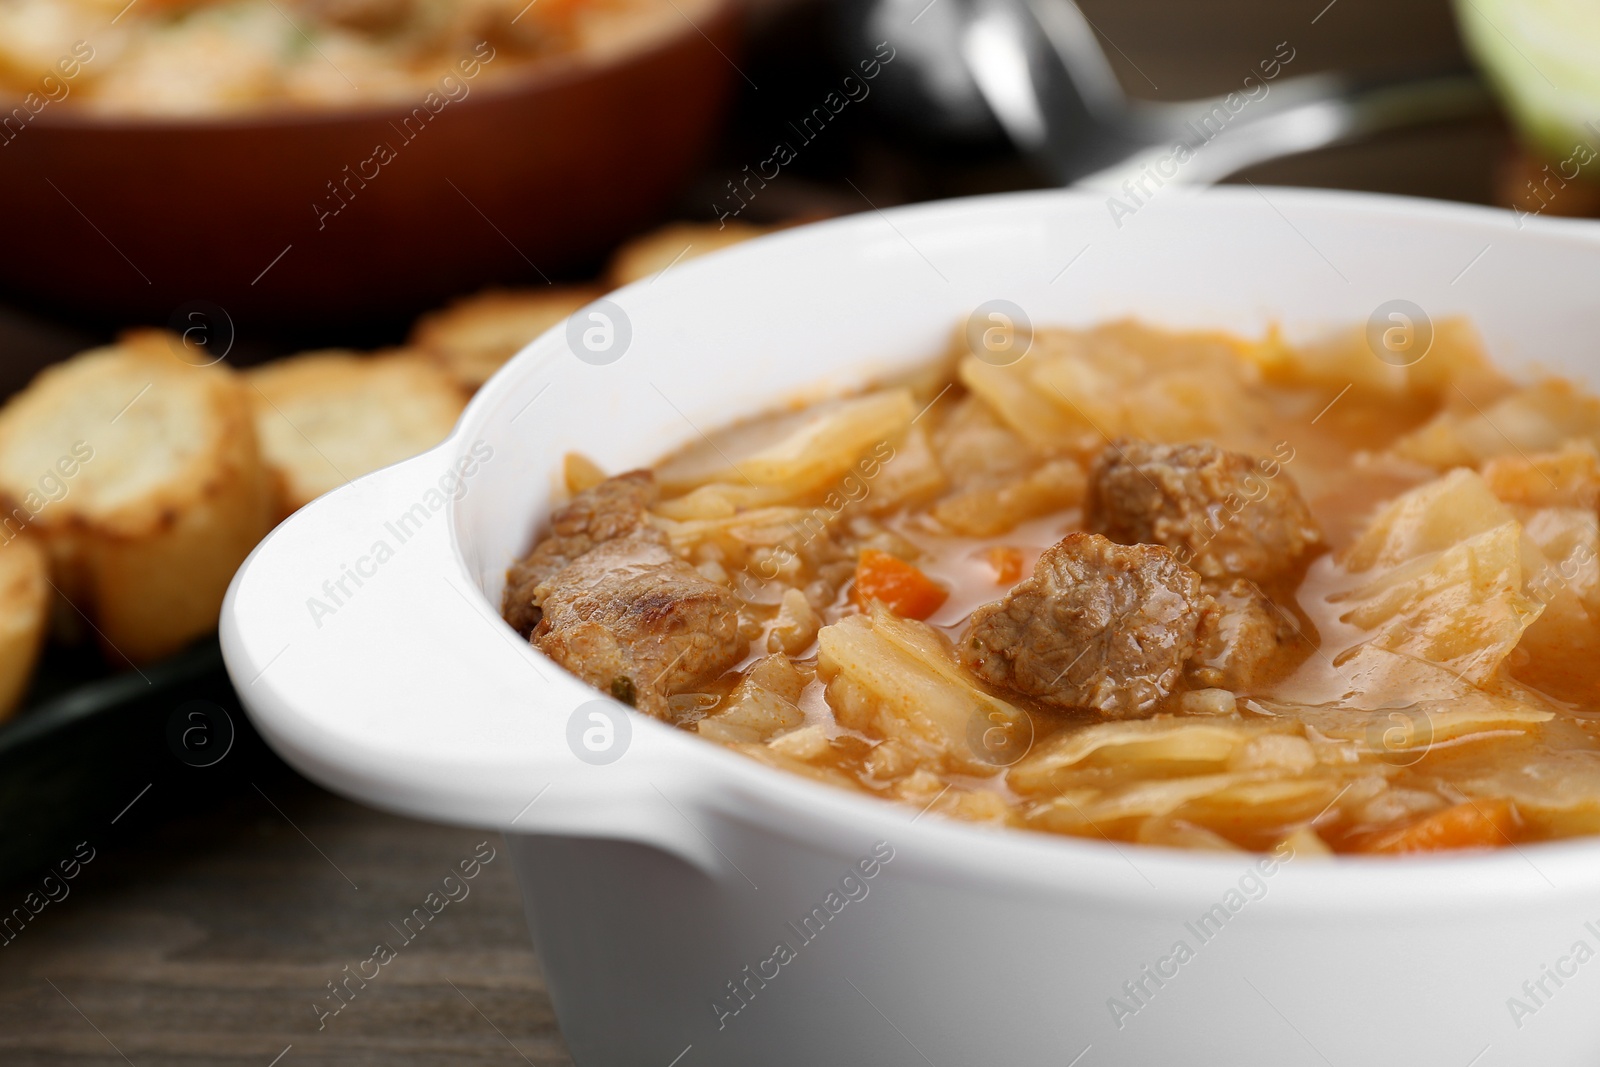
(1037,67)
(1040,68)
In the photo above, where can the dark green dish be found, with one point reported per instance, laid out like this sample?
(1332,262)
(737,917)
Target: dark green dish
(88,761)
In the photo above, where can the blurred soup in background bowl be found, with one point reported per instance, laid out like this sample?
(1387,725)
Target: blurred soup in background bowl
(330,158)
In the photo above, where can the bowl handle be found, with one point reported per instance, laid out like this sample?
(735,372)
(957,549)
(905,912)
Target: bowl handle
(370,660)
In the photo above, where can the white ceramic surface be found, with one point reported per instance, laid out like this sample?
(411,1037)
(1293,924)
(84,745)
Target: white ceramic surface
(653,881)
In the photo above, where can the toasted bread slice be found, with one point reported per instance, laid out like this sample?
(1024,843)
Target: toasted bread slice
(327,417)
(141,475)
(474,337)
(24,615)
(654,252)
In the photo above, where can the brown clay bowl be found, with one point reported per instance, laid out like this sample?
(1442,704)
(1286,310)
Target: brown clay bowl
(131,219)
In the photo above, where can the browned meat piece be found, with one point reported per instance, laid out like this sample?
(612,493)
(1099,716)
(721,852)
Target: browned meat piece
(1099,625)
(1220,512)
(1248,642)
(614,508)
(634,620)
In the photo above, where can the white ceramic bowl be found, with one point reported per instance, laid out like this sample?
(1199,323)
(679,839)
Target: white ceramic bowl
(654,881)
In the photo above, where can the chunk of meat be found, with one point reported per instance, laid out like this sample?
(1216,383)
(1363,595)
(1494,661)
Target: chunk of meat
(634,620)
(612,509)
(1247,642)
(1099,625)
(1223,513)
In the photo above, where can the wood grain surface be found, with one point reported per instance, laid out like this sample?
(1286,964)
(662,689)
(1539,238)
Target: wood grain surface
(210,941)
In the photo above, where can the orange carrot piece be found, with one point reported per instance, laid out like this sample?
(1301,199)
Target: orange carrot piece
(1473,824)
(1006,562)
(899,586)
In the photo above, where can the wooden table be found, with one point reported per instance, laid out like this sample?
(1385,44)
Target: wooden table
(208,939)
(211,939)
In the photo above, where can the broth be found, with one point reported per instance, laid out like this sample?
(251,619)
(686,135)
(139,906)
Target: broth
(1183,589)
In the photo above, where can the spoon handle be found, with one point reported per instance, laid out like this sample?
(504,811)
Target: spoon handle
(1316,111)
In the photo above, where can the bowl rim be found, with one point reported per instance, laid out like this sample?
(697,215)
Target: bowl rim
(536,77)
